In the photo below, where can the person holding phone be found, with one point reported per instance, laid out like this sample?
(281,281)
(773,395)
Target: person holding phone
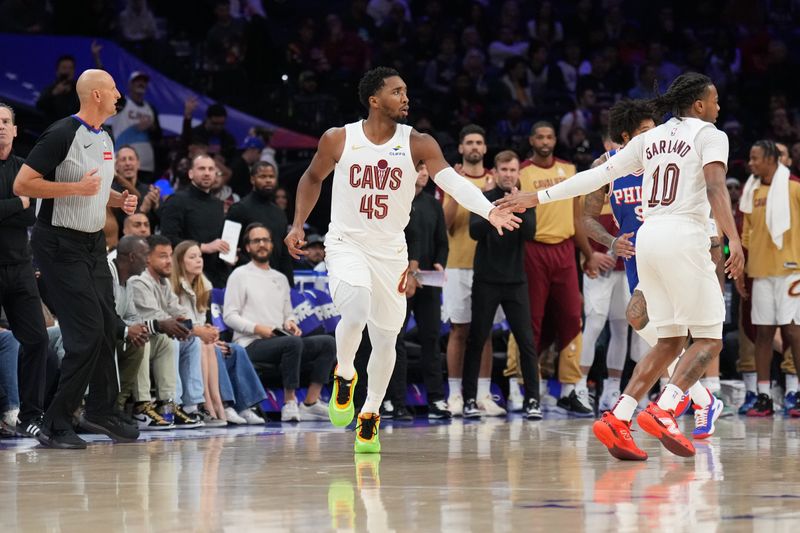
(258,309)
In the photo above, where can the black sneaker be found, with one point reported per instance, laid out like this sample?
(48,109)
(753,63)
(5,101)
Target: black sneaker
(387,410)
(184,420)
(763,407)
(402,414)
(471,409)
(61,439)
(112,426)
(30,428)
(438,411)
(573,406)
(532,410)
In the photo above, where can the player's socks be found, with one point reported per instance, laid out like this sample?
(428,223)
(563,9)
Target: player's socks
(700,395)
(763,387)
(581,385)
(669,398)
(750,380)
(454,384)
(625,407)
(791,383)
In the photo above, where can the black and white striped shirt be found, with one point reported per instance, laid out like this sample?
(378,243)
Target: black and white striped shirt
(66,151)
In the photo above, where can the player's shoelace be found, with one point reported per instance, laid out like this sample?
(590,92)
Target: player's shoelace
(367,428)
(343,394)
(701,416)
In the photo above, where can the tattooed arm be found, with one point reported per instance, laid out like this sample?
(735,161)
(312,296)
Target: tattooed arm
(593,205)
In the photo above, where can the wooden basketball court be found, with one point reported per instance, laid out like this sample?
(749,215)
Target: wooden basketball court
(489,475)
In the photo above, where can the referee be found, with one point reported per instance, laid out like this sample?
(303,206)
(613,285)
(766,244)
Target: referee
(19,294)
(71,168)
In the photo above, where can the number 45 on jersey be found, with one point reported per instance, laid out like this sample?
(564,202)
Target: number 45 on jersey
(374,205)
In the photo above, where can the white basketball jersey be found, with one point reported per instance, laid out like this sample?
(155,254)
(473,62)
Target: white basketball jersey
(373,187)
(673,181)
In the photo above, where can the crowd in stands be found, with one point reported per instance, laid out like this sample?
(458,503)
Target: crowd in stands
(483,75)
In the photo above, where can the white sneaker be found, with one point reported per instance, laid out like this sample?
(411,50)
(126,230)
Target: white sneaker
(8,423)
(583,397)
(455,404)
(251,418)
(290,412)
(233,417)
(490,407)
(515,399)
(316,411)
(608,400)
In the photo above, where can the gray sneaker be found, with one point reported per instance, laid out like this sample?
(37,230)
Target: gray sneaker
(315,411)
(210,421)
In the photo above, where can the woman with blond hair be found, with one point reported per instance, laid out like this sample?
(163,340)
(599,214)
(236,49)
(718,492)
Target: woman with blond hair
(228,374)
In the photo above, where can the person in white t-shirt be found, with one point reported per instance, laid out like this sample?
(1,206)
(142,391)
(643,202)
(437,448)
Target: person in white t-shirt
(684,162)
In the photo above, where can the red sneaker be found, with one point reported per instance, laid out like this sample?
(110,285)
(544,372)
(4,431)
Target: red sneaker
(615,435)
(794,412)
(661,424)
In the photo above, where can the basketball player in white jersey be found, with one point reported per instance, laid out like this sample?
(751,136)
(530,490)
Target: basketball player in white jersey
(373,186)
(684,162)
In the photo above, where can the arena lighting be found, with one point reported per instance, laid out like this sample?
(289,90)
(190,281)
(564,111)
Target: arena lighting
(285,77)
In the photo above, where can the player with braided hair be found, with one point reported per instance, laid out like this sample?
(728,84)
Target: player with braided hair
(684,162)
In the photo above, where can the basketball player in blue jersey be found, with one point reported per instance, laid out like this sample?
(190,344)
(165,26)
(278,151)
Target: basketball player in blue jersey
(374,163)
(627,119)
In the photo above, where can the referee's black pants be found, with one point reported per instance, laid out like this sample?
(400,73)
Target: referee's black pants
(514,299)
(426,304)
(19,296)
(75,271)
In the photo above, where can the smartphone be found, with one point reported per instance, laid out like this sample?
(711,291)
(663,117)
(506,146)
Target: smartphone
(280,332)
(187,324)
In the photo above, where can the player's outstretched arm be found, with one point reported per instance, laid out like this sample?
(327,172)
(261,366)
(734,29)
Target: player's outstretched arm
(720,201)
(425,148)
(329,150)
(622,163)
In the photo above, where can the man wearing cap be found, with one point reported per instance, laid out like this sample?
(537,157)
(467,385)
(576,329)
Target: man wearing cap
(315,253)
(136,125)
(241,165)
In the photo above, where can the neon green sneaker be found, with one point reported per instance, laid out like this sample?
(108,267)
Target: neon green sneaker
(368,474)
(367,440)
(341,505)
(340,408)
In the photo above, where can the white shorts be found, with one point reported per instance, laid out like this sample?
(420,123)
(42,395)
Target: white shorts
(457,295)
(606,296)
(678,278)
(382,270)
(776,300)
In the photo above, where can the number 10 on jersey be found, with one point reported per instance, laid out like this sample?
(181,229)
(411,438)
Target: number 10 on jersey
(374,205)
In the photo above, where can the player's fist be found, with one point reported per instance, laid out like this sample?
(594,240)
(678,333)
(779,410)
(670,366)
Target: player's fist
(295,241)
